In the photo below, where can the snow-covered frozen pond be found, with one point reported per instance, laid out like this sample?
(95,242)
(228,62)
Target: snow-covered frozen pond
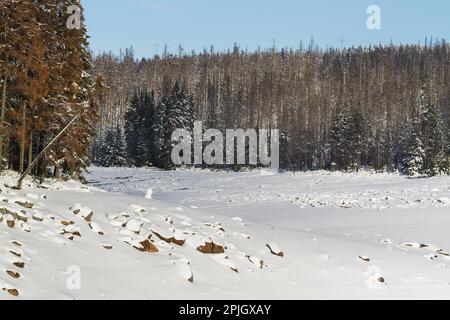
(339,227)
(363,204)
(149,234)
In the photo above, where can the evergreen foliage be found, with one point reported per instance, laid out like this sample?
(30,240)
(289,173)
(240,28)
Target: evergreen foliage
(113,152)
(348,137)
(425,144)
(46,81)
(175,111)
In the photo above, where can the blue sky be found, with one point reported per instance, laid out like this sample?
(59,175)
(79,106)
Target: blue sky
(196,24)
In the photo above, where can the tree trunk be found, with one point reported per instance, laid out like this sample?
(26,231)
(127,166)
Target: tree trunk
(40,155)
(57,173)
(2,122)
(22,139)
(41,166)
(30,149)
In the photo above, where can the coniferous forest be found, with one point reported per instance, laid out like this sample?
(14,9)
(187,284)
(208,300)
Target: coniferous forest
(383,107)
(45,71)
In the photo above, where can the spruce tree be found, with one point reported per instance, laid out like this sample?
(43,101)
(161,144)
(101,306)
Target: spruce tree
(146,140)
(113,152)
(414,162)
(79,95)
(348,139)
(433,137)
(425,142)
(390,150)
(9,43)
(175,111)
(360,140)
(32,72)
(48,83)
(132,128)
(340,139)
(139,120)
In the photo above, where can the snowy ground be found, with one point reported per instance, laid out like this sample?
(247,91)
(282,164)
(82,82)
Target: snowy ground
(329,235)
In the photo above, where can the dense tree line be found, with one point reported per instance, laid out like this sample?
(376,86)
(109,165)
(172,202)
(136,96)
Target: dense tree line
(422,148)
(335,108)
(45,71)
(148,130)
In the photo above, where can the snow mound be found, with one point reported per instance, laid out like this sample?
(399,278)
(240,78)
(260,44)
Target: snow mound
(149,193)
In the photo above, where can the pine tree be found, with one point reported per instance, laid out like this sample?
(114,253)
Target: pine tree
(145,137)
(175,111)
(425,144)
(340,139)
(414,162)
(391,150)
(8,40)
(433,138)
(348,139)
(77,96)
(113,152)
(139,120)
(132,128)
(413,149)
(32,72)
(48,83)
(360,140)
(146,144)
